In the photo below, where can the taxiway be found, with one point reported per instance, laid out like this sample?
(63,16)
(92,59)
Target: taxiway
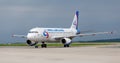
(92,54)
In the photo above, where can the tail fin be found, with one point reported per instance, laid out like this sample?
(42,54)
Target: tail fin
(75,21)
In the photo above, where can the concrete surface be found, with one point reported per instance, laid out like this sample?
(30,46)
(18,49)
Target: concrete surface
(60,55)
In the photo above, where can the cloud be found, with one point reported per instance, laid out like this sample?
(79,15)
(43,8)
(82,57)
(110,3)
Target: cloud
(18,16)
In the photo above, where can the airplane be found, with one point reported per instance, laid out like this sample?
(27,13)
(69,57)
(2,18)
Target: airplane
(64,35)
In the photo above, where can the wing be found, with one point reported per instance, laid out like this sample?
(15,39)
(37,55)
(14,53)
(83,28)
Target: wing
(93,34)
(60,37)
(81,35)
(22,36)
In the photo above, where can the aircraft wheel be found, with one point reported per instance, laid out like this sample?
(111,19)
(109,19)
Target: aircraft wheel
(66,45)
(44,45)
(36,46)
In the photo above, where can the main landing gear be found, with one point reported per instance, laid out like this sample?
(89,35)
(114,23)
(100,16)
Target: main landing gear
(66,45)
(43,45)
(36,46)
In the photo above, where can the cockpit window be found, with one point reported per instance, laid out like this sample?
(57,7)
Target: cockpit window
(33,32)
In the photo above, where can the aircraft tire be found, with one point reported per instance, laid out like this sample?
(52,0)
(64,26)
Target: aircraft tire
(36,46)
(66,45)
(44,45)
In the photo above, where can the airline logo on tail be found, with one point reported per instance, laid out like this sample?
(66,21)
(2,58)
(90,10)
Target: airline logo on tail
(75,23)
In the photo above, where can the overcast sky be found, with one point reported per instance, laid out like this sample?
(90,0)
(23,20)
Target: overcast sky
(19,16)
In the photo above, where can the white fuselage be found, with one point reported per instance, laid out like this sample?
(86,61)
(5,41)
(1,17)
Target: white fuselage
(64,35)
(49,34)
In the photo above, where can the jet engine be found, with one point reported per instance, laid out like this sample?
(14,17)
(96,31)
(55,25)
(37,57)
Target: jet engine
(66,41)
(30,43)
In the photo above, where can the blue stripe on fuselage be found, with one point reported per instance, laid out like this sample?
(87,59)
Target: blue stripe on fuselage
(55,30)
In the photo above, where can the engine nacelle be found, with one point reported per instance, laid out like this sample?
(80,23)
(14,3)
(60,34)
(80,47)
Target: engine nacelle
(30,43)
(66,41)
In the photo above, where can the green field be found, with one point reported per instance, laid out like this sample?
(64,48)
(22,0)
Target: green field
(61,45)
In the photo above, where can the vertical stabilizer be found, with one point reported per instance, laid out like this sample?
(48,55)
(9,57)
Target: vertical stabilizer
(75,21)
